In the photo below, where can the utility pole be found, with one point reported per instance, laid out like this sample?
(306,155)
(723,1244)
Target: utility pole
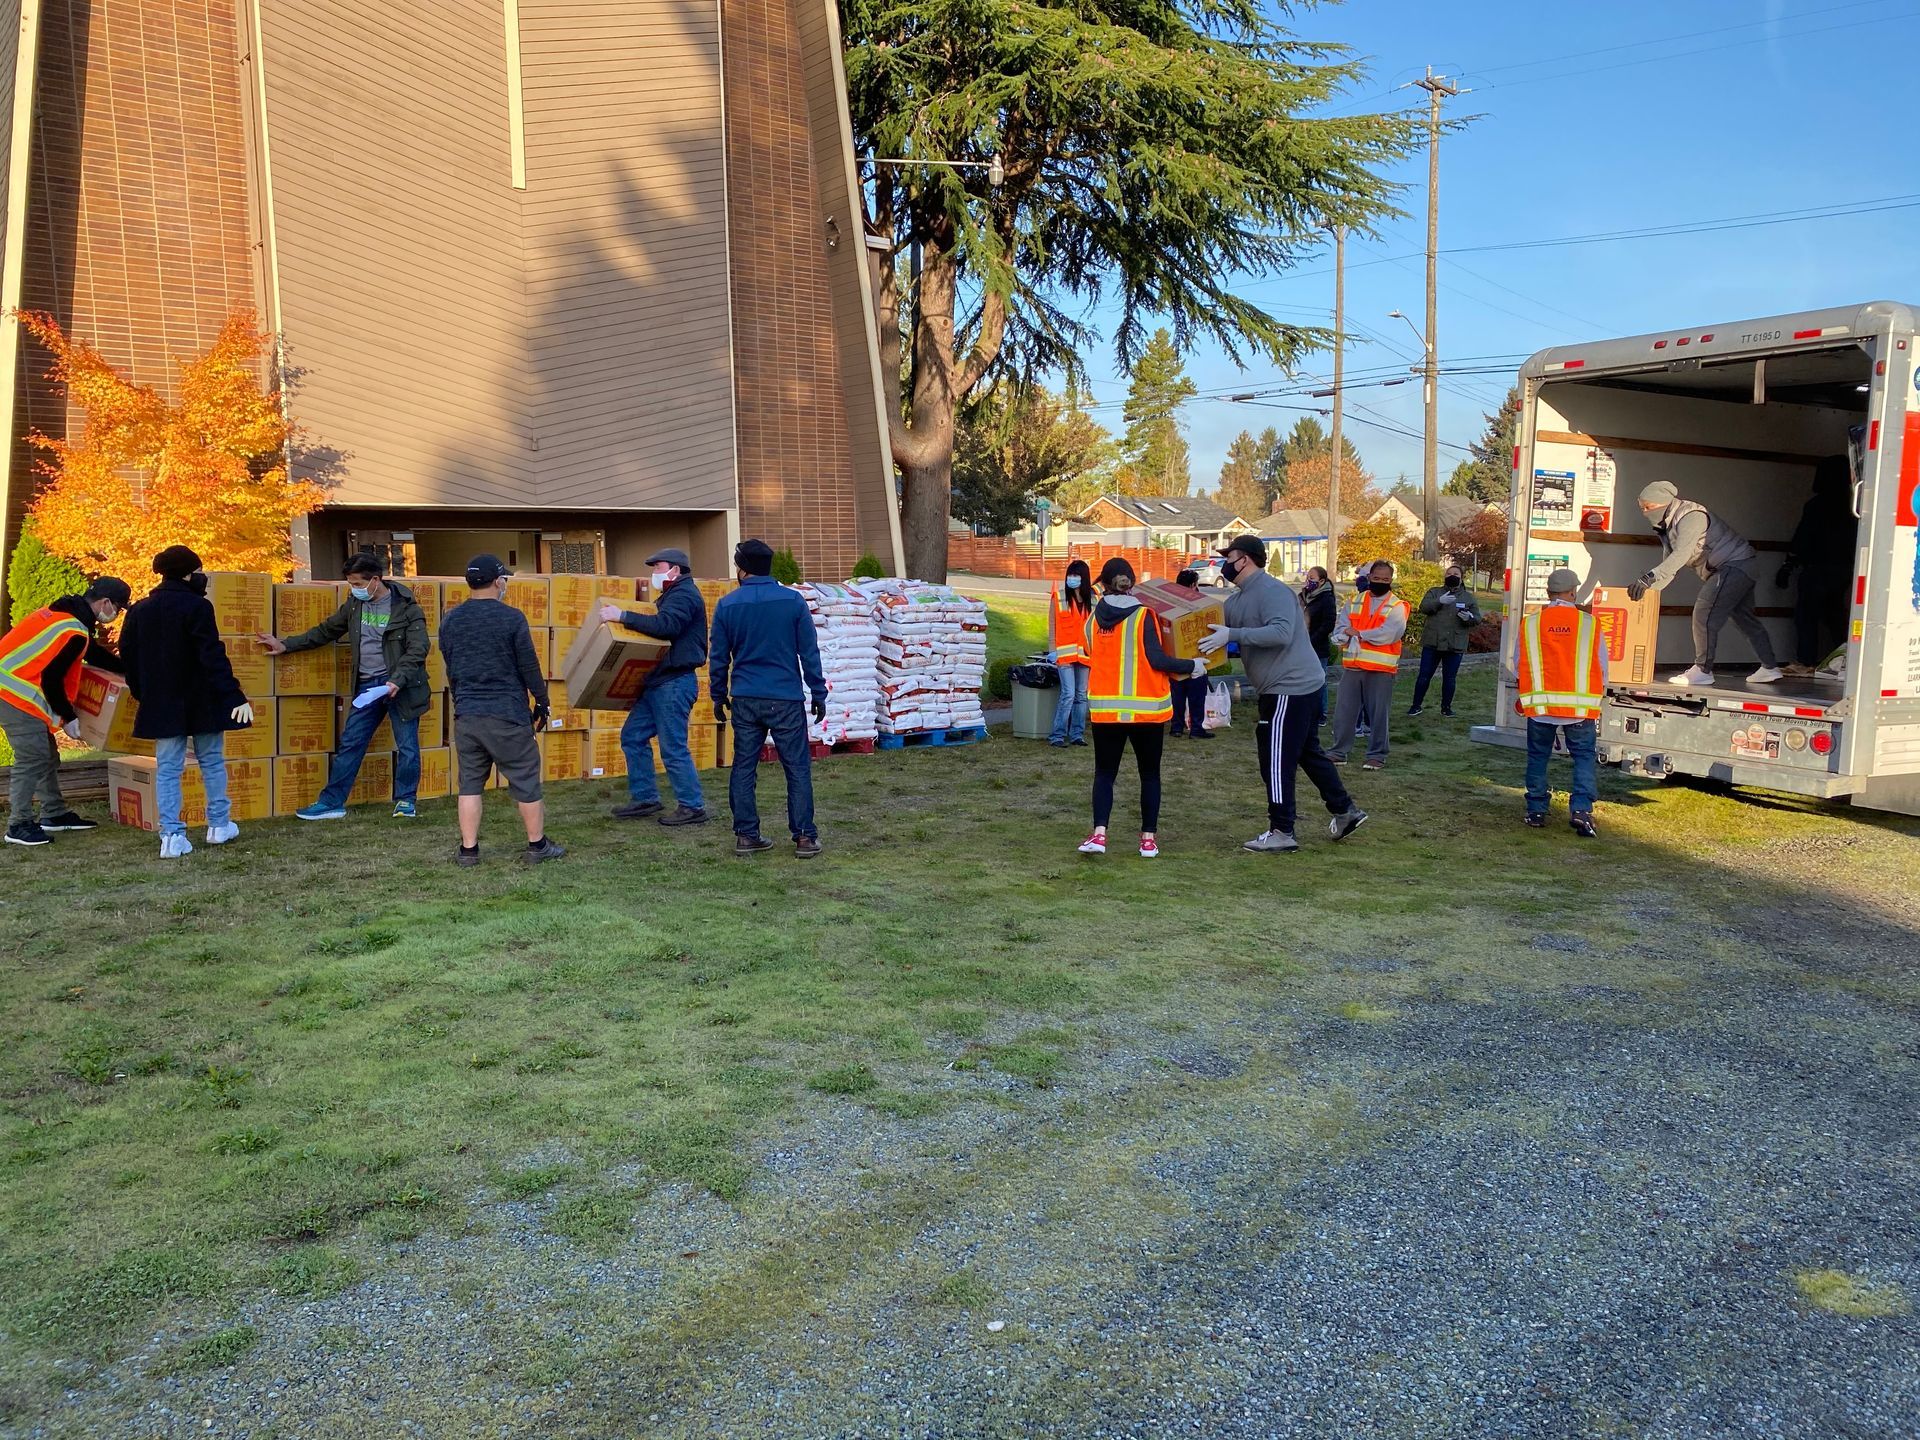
(1339,364)
(1435,88)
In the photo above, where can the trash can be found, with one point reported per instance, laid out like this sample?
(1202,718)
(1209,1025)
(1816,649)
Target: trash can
(1036,695)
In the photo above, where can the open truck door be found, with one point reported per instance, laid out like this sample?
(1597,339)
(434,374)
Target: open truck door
(1737,417)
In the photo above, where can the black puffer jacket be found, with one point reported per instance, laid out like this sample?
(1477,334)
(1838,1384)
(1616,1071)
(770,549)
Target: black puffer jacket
(177,666)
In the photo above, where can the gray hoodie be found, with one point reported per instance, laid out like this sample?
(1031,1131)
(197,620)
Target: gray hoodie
(1264,619)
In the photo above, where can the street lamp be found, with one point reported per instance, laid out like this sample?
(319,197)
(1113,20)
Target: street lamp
(996,172)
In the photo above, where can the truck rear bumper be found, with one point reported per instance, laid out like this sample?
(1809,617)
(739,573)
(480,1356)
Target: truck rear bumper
(1659,764)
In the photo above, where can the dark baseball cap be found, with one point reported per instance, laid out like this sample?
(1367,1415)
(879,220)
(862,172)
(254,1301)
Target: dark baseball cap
(483,570)
(110,587)
(1251,546)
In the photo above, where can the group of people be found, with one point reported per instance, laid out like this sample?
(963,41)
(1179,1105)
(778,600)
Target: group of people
(761,652)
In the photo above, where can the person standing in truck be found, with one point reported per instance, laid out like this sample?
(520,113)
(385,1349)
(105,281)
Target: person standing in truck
(1822,550)
(1694,537)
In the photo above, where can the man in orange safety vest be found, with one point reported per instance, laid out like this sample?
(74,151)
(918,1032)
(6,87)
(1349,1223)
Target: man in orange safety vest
(1560,676)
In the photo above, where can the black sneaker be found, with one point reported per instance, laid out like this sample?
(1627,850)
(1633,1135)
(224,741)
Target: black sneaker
(806,847)
(1416,712)
(1342,826)
(685,815)
(1081,743)
(1583,826)
(1203,734)
(751,844)
(67,821)
(547,849)
(1536,822)
(468,858)
(637,810)
(26,832)
(1446,715)
(1058,744)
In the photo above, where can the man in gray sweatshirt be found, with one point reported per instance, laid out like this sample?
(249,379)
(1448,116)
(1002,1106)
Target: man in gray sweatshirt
(1264,620)
(1697,539)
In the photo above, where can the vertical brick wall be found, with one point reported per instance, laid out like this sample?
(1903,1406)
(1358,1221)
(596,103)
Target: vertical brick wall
(137,239)
(796,471)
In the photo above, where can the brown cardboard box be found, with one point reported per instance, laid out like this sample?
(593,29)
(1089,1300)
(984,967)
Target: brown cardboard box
(621,589)
(1184,622)
(543,649)
(252,666)
(306,672)
(346,671)
(556,654)
(436,773)
(306,725)
(606,719)
(133,791)
(426,594)
(301,605)
(436,669)
(297,781)
(433,722)
(106,709)
(704,741)
(242,603)
(260,740)
(712,591)
(563,755)
(603,754)
(453,593)
(574,597)
(607,665)
(702,712)
(1631,629)
(374,784)
(532,594)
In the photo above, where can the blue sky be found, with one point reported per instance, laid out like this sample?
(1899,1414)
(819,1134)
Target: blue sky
(1781,105)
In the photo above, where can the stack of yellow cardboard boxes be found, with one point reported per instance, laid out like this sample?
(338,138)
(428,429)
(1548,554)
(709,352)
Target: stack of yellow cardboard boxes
(301,700)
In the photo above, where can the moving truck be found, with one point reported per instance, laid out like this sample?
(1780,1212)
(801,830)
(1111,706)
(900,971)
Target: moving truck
(1736,416)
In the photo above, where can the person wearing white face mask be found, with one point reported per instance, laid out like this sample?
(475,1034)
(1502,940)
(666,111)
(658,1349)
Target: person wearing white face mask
(387,631)
(664,706)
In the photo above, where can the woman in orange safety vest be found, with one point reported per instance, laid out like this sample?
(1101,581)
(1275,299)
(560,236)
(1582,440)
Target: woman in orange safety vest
(1072,605)
(1129,699)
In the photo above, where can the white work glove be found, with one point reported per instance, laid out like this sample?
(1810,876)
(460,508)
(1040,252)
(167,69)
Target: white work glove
(243,713)
(72,727)
(1199,668)
(610,614)
(1215,639)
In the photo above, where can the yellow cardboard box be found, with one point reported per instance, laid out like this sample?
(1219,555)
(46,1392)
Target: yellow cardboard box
(704,741)
(252,666)
(260,740)
(106,709)
(426,594)
(433,722)
(374,785)
(543,649)
(301,605)
(436,773)
(306,725)
(306,672)
(558,642)
(564,716)
(436,668)
(622,589)
(453,593)
(574,597)
(533,595)
(133,791)
(242,603)
(1184,622)
(604,755)
(297,781)
(562,755)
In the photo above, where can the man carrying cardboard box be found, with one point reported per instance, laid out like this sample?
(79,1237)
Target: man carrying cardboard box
(492,670)
(388,640)
(662,709)
(40,663)
(177,670)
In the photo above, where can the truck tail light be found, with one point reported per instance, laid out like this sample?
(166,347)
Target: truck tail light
(1822,742)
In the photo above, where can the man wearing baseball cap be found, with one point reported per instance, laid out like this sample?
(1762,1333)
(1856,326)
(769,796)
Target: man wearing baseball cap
(1264,620)
(665,704)
(1561,685)
(492,671)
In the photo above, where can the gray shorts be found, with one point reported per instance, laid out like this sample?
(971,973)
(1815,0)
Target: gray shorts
(484,741)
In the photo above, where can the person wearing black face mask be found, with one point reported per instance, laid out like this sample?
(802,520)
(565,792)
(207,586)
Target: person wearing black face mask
(1323,611)
(1451,615)
(1371,634)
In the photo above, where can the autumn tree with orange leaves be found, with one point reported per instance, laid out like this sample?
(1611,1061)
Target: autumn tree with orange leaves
(207,470)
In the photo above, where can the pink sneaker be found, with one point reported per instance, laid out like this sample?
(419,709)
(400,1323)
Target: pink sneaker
(1094,844)
(1149,848)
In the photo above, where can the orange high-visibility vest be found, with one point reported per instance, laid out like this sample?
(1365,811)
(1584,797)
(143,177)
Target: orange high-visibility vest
(1069,629)
(1122,688)
(27,650)
(1364,612)
(1562,666)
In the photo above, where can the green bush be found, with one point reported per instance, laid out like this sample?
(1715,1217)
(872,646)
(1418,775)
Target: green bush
(786,569)
(999,684)
(869,568)
(36,578)
(1411,581)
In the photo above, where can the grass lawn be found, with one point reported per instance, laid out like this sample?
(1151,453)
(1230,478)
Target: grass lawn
(1016,626)
(652,1132)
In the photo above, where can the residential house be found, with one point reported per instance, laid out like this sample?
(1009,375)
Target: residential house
(1296,541)
(1407,509)
(1177,522)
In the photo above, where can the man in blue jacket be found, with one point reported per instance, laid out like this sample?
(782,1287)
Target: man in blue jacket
(763,642)
(663,707)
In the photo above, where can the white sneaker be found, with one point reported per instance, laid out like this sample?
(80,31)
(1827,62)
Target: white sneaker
(1095,844)
(1693,675)
(221,834)
(1767,675)
(174,847)
(1272,841)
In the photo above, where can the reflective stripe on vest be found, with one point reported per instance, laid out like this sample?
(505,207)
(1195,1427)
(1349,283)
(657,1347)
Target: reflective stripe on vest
(1122,687)
(1362,616)
(1069,629)
(1560,665)
(29,648)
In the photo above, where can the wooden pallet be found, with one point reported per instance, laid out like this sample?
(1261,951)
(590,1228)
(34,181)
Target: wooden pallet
(820,749)
(963,735)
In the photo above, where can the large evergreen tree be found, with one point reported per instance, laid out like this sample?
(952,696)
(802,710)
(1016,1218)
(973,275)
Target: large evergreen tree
(1242,485)
(1271,460)
(1489,474)
(1155,157)
(1156,447)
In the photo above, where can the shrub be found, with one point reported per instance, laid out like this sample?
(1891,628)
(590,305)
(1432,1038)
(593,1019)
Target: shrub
(999,684)
(786,569)
(869,568)
(1484,638)
(35,577)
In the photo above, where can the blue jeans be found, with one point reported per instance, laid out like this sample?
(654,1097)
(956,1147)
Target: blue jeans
(1070,715)
(661,713)
(358,734)
(1581,741)
(1189,705)
(1447,662)
(786,721)
(211,751)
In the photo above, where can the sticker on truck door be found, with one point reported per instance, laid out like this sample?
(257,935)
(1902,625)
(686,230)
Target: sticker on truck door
(1553,499)
(1597,481)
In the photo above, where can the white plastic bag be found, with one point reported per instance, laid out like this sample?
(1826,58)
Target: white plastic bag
(1219,714)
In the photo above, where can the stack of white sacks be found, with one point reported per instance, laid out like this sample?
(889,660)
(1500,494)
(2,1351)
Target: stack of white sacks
(849,655)
(932,655)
